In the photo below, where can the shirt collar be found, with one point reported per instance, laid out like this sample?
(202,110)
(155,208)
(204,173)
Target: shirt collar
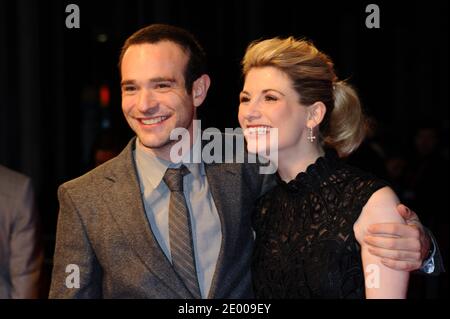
(153,168)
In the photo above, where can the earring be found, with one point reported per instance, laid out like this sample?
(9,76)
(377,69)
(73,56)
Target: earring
(311,136)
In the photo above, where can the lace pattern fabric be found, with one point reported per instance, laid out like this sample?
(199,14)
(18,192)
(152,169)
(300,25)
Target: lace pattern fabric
(305,245)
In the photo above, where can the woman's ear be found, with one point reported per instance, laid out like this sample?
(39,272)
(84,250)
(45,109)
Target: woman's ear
(316,113)
(200,89)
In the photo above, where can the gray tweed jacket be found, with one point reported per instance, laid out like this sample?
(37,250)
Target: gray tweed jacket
(103,230)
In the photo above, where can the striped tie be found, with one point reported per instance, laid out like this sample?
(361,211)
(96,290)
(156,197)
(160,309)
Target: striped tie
(180,233)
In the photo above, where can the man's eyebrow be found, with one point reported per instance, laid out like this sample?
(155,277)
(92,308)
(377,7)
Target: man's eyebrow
(161,79)
(126,82)
(153,80)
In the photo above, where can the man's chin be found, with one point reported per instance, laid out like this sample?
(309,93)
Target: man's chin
(155,143)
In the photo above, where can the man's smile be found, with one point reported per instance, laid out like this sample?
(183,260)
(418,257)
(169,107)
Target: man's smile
(152,121)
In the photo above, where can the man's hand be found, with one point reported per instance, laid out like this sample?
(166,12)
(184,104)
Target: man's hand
(406,246)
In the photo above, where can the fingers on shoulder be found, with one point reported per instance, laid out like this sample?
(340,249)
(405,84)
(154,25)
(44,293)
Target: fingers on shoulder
(381,208)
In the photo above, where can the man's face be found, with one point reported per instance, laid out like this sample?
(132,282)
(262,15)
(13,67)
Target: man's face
(154,97)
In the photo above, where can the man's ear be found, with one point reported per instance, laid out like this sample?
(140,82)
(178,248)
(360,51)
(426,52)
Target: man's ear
(316,113)
(200,89)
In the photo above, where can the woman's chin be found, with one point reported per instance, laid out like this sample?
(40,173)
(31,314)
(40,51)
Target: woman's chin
(255,149)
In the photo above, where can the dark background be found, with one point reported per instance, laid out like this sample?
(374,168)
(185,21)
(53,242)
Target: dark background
(50,77)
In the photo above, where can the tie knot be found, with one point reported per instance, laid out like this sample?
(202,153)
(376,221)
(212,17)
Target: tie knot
(174,178)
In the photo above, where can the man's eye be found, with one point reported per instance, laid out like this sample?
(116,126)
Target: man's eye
(163,85)
(129,88)
(270,98)
(244,99)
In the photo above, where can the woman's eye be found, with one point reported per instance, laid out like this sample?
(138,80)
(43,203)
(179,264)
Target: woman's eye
(270,98)
(244,99)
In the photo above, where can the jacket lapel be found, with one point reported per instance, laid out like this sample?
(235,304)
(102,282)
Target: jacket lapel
(126,206)
(224,184)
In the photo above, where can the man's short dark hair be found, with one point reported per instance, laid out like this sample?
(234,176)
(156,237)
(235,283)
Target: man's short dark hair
(196,65)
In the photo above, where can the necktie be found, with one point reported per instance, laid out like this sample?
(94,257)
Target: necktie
(180,231)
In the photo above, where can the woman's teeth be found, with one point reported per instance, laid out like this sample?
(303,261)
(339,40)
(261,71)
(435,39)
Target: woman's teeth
(258,130)
(154,120)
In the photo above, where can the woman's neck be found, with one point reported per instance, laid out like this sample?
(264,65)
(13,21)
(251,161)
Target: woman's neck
(295,160)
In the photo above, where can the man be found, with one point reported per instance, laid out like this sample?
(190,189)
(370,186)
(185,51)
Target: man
(131,231)
(21,254)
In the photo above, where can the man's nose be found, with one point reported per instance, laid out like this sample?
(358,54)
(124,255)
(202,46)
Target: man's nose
(146,101)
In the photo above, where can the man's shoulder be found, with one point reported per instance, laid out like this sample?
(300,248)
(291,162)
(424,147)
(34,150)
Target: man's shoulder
(100,177)
(90,178)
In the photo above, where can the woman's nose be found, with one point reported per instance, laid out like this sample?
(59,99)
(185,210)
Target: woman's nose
(251,111)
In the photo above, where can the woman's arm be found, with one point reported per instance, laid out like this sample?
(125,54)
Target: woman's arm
(381,281)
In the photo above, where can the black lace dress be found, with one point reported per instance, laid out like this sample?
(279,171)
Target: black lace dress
(305,246)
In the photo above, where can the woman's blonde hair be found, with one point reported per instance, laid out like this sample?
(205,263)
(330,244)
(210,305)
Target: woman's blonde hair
(313,77)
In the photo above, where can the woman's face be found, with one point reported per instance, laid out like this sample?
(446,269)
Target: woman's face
(269,101)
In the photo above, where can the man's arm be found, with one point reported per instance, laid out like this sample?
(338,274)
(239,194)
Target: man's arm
(76,272)
(409,247)
(26,250)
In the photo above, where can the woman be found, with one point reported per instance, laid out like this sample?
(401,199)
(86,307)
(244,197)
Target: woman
(309,228)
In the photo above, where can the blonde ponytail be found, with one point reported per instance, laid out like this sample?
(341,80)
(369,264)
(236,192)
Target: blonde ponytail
(347,125)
